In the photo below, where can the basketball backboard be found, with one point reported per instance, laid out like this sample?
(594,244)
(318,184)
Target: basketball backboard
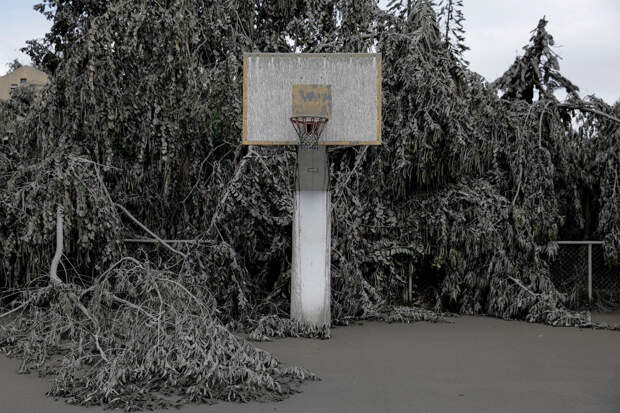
(343,87)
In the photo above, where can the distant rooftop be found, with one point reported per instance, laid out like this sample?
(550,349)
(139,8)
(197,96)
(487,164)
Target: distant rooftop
(25,76)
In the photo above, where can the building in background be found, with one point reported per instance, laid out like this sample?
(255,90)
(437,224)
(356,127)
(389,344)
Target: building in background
(25,76)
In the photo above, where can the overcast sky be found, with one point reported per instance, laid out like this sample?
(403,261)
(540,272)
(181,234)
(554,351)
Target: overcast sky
(587,35)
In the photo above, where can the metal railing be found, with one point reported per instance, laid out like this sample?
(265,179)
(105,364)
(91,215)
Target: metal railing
(580,272)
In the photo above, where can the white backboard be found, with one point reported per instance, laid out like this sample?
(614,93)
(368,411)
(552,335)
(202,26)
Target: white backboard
(355,82)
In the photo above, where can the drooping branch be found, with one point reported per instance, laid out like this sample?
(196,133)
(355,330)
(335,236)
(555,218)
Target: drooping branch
(520,284)
(151,233)
(585,108)
(54,279)
(58,283)
(224,198)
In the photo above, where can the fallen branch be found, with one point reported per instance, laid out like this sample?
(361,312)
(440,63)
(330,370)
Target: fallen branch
(122,208)
(84,160)
(169,241)
(518,185)
(358,161)
(132,259)
(131,305)
(226,194)
(520,284)
(22,305)
(151,233)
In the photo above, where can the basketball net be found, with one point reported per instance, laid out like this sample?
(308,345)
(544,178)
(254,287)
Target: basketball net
(309,130)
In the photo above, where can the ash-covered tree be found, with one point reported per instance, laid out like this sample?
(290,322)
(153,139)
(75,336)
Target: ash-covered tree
(450,18)
(163,107)
(538,69)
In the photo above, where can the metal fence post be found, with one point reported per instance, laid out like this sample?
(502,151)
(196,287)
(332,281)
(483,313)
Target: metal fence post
(567,273)
(590,273)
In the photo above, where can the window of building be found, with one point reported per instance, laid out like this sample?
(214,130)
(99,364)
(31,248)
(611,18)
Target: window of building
(22,80)
(13,86)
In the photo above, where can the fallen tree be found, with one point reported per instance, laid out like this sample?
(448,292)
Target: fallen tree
(139,337)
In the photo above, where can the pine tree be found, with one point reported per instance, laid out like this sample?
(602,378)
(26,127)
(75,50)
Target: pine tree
(450,19)
(538,68)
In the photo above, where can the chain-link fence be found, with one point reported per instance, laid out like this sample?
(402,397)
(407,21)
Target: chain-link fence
(581,273)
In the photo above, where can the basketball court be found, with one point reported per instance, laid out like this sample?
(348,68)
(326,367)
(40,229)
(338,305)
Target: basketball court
(473,364)
(476,364)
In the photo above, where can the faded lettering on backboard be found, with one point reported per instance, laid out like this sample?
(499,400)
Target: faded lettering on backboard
(312,100)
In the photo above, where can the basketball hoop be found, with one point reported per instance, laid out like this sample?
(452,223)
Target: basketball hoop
(298,87)
(309,130)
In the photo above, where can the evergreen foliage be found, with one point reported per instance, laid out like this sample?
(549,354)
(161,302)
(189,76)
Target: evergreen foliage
(538,68)
(450,19)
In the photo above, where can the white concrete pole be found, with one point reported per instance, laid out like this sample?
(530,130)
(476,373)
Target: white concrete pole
(310,275)
(590,273)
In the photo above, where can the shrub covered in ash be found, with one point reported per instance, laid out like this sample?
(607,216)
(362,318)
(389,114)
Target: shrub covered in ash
(139,338)
(29,196)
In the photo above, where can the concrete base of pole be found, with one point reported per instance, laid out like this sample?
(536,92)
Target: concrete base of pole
(310,273)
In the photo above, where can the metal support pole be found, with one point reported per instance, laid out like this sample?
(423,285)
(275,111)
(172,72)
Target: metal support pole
(310,272)
(590,273)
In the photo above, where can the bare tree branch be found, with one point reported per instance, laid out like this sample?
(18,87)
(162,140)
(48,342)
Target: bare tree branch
(151,233)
